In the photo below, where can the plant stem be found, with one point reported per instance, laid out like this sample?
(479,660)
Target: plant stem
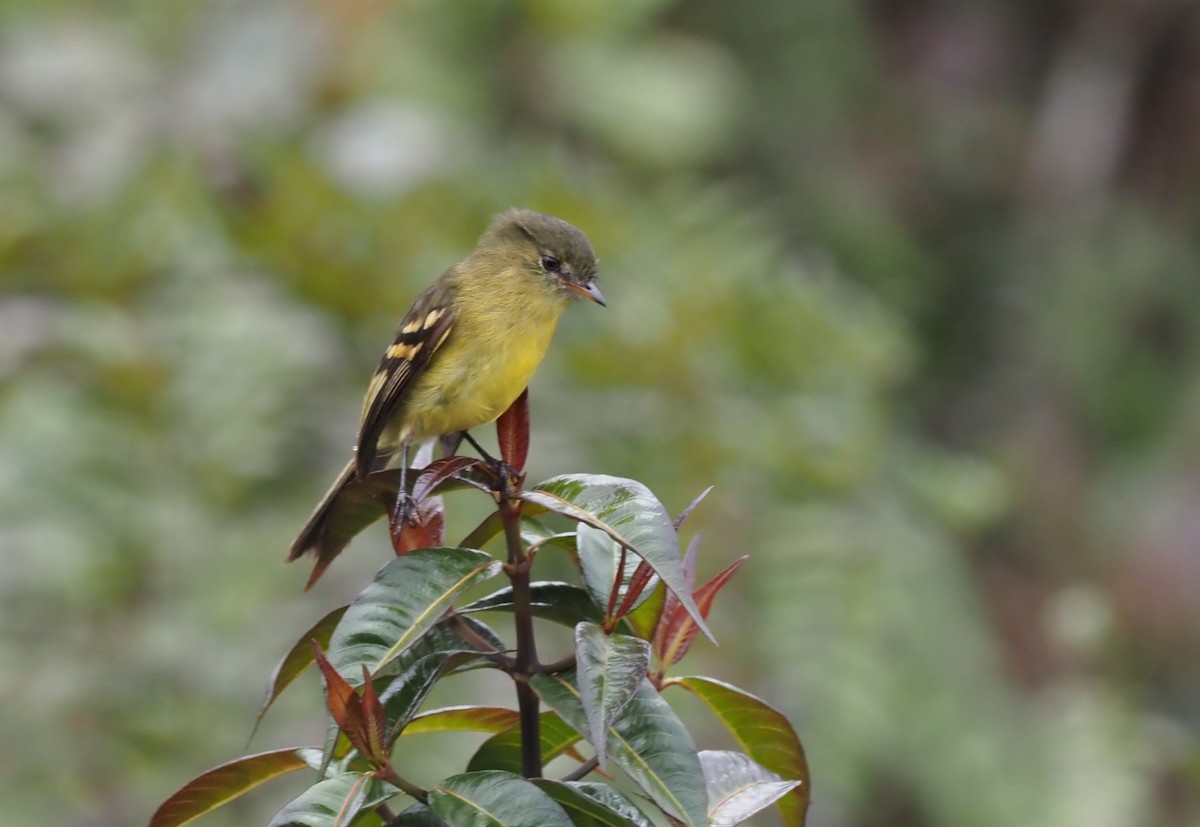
(473,639)
(387,773)
(531,734)
(582,770)
(526,660)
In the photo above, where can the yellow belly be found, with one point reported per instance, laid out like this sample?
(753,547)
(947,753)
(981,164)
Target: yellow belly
(469,383)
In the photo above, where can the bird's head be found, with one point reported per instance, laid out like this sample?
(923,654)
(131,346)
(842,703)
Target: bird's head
(548,248)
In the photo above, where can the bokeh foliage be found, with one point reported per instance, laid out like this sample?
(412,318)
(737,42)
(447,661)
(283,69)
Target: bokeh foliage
(913,284)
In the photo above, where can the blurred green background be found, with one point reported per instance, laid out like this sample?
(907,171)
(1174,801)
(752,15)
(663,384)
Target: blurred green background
(915,284)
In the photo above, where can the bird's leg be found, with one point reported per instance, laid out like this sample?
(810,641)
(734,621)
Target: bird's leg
(504,472)
(488,458)
(406,506)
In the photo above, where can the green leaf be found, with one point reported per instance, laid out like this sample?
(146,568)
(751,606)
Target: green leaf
(418,815)
(495,799)
(440,652)
(648,742)
(594,805)
(503,750)
(406,598)
(630,514)
(609,670)
(298,658)
(738,787)
(600,565)
(485,532)
(443,640)
(532,531)
(763,732)
(334,802)
(644,619)
(337,746)
(222,784)
(490,719)
(552,600)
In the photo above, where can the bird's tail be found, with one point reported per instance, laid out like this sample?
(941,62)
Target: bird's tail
(316,536)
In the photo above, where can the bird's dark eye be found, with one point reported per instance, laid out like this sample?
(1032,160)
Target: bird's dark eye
(550,264)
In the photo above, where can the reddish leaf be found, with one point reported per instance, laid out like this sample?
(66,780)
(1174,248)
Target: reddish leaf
(690,558)
(438,472)
(222,784)
(676,629)
(512,431)
(429,531)
(364,728)
(610,617)
(687,512)
(338,693)
(490,719)
(671,605)
(374,718)
(637,584)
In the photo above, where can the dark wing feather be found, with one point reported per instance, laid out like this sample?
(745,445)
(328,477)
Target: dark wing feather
(422,331)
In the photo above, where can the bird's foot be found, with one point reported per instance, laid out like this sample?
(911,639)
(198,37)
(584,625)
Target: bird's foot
(507,478)
(405,512)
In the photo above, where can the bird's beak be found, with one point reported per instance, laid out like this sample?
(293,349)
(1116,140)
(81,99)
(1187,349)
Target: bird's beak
(589,291)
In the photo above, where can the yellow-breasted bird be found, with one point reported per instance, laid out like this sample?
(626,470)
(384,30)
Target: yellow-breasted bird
(465,349)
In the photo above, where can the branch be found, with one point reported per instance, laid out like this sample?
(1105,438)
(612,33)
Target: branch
(472,638)
(392,777)
(517,570)
(582,770)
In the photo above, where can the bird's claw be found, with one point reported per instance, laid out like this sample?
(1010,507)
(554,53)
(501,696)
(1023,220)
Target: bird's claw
(507,477)
(405,512)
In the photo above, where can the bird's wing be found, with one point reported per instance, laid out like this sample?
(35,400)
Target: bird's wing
(423,330)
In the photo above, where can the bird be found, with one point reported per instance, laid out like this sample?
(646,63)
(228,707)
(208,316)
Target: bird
(465,350)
